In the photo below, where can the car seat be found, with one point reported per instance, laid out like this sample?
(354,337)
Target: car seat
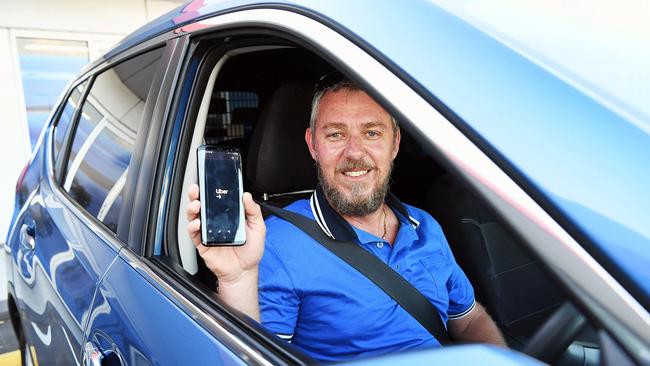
(506,280)
(279,166)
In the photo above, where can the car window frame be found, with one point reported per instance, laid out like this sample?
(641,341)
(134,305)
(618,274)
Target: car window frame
(58,167)
(259,344)
(60,158)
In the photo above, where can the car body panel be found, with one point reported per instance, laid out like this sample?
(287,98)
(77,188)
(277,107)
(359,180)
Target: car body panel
(158,331)
(54,282)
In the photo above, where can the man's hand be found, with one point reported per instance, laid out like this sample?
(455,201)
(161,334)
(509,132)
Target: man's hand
(236,267)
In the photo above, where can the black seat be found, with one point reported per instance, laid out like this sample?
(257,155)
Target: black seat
(506,280)
(279,164)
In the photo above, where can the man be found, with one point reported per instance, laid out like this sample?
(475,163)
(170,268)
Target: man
(309,296)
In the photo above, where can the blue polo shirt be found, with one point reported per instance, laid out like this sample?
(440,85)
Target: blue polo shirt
(321,304)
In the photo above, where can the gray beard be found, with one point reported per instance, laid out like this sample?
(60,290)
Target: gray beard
(362,206)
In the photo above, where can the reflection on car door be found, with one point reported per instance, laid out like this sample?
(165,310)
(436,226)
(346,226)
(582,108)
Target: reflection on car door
(136,321)
(58,261)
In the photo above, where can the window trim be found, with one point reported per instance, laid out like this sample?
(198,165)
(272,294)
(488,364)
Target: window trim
(58,112)
(64,154)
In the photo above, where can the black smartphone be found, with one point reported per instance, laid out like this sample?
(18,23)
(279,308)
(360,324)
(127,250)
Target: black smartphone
(221,190)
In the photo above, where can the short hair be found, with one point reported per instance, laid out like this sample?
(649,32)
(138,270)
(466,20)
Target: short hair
(331,83)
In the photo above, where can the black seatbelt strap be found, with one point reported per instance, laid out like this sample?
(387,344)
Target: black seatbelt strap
(400,290)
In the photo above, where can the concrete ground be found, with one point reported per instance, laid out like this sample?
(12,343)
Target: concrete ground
(9,353)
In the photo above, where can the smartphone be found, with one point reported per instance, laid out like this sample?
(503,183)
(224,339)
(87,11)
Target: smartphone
(221,190)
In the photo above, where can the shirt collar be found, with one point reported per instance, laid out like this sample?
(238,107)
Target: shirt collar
(335,226)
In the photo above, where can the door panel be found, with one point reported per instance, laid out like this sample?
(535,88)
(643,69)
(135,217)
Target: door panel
(137,321)
(55,276)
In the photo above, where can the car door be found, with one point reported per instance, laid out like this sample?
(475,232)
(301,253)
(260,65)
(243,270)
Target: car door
(173,316)
(57,258)
(145,314)
(538,229)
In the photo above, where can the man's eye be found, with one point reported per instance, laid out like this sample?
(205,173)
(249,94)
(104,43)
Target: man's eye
(335,135)
(372,133)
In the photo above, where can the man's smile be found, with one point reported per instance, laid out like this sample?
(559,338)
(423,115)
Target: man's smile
(356,173)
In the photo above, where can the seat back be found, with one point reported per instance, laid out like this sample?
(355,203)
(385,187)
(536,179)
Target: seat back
(279,162)
(507,281)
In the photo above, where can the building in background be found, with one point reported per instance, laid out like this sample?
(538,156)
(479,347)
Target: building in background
(43,45)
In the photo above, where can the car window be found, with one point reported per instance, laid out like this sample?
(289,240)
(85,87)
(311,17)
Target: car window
(233,101)
(65,118)
(105,135)
(515,286)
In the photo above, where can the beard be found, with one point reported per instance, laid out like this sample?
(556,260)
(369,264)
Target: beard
(358,204)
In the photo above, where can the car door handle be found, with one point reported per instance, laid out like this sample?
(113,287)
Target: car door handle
(27,233)
(93,356)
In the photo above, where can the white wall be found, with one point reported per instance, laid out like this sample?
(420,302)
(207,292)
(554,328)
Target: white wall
(88,16)
(14,137)
(101,23)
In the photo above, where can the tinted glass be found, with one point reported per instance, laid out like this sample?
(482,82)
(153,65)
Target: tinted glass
(103,143)
(65,118)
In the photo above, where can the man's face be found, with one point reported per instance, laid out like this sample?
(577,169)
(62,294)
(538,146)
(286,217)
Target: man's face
(353,144)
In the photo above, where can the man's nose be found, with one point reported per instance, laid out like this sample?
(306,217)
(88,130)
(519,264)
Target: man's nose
(355,148)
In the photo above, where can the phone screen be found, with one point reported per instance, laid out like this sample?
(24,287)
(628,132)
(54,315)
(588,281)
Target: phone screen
(221,190)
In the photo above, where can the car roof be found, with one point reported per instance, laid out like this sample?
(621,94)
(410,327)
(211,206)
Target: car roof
(522,83)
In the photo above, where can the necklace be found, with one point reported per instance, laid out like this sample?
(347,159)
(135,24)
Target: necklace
(383,208)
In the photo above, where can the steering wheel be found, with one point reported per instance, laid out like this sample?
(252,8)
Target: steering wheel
(557,333)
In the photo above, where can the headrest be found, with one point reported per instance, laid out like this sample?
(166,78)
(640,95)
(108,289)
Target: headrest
(278,158)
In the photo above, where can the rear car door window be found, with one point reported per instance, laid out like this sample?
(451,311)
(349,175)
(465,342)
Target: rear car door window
(103,142)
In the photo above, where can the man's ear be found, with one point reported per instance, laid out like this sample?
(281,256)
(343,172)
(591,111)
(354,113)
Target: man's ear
(309,139)
(396,141)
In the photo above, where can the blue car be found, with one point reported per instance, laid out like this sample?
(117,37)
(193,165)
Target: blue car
(538,174)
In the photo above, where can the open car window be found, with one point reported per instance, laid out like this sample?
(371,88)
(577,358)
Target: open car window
(256,97)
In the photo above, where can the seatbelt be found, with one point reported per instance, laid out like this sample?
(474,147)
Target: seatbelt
(400,290)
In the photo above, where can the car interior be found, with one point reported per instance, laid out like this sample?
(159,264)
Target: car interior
(258,98)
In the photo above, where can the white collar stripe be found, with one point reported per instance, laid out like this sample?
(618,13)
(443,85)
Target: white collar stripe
(415,222)
(315,209)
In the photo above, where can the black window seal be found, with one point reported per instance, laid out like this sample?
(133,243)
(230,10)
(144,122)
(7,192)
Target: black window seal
(60,166)
(147,186)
